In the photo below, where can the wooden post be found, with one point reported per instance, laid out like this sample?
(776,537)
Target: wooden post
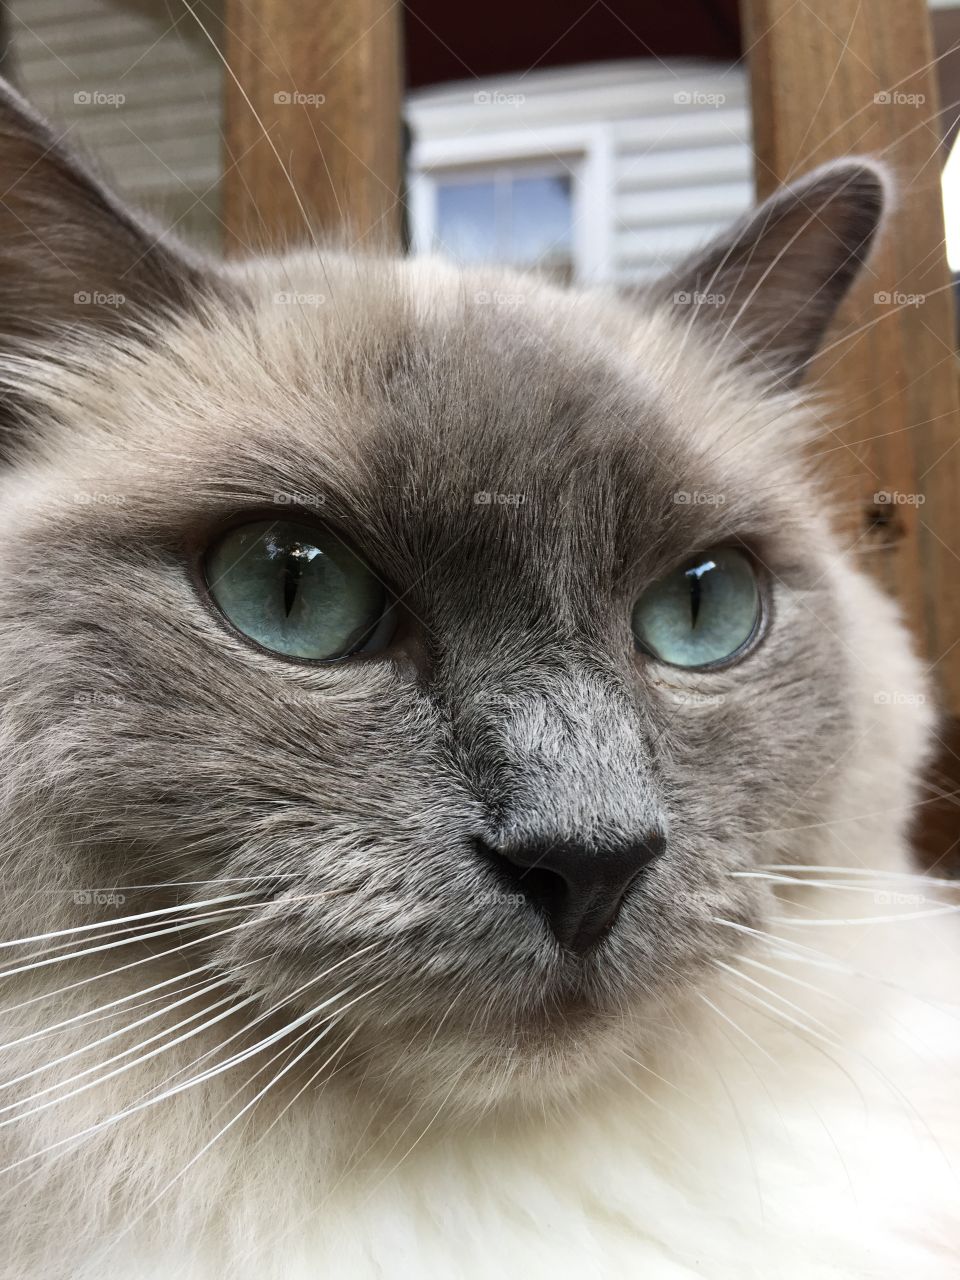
(325,154)
(836,79)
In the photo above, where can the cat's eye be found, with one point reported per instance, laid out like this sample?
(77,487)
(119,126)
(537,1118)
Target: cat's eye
(298,590)
(701,614)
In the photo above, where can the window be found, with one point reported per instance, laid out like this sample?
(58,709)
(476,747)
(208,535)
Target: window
(535,198)
(510,214)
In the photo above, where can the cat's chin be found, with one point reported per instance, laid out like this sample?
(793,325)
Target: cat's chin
(543,1059)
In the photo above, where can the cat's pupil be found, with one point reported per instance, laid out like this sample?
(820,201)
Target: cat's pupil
(292,575)
(694,579)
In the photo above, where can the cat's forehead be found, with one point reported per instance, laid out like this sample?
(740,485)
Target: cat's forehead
(441,391)
(426,370)
(422,409)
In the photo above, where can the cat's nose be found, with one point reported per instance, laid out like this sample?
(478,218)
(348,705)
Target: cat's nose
(579,887)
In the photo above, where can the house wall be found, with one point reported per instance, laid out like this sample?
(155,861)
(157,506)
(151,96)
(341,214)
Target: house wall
(161,144)
(664,149)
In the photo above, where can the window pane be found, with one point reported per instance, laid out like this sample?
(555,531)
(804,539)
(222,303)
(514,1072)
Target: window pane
(541,221)
(467,219)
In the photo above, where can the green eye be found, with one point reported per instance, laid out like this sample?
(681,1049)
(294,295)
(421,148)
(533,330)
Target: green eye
(298,590)
(702,613)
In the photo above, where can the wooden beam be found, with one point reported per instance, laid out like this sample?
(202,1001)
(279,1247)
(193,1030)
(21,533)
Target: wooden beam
(313,122)
(854,76)
(843,78)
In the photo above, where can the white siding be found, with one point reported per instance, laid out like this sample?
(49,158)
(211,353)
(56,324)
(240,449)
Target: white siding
(675,137)
(161,146)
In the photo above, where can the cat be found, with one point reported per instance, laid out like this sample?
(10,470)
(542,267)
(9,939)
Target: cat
(456,787)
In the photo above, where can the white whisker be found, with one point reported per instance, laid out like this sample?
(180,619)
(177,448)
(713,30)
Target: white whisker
(133,964)
(229,1125)
(120,942)
(104,1008)
(242,1056)
(112,1035)
(920,877)
(793,921)
(720,964)
(122,920)
(730,1022)
(163,1048)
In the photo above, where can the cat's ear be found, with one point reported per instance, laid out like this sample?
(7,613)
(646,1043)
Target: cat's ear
(769,286)
(71,255)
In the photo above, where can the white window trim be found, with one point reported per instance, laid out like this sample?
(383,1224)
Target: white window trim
(585,151)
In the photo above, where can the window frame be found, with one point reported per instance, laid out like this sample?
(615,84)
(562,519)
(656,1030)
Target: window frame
(584,152)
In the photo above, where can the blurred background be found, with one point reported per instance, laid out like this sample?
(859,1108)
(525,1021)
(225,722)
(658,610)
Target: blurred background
(596,141)
(563,141)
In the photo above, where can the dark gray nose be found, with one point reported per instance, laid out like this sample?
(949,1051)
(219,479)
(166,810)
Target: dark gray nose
(578,887)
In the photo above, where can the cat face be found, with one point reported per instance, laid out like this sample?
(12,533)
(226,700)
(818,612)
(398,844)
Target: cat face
(468,640)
